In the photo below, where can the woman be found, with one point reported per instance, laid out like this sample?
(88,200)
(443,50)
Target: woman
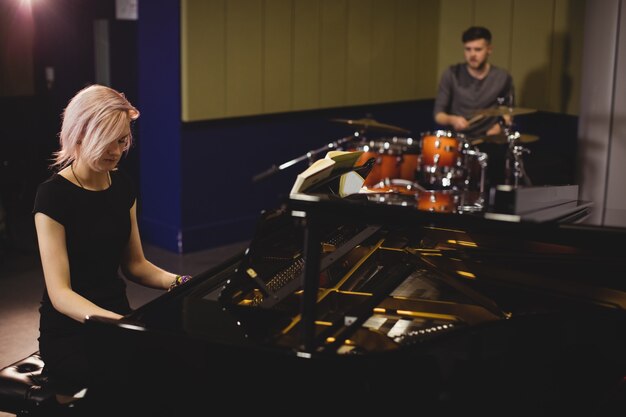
(86,221)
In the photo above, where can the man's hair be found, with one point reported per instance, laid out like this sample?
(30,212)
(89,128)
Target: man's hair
(476,32)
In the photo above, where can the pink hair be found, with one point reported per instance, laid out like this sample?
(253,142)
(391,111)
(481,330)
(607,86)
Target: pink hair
(94,117)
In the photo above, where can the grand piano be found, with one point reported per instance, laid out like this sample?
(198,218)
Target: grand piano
(390,301)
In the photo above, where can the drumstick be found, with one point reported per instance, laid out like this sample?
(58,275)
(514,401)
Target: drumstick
(475,119)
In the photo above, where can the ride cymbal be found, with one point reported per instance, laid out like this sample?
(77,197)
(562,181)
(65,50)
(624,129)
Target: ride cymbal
(505,111)
(372,124)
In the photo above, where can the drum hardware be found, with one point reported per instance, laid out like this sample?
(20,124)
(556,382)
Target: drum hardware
(479,203)
(310,156)
(514,162)
(502,139)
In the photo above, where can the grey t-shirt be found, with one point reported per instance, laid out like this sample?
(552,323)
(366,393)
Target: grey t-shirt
(461,94)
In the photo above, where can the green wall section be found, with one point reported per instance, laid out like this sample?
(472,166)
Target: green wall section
(250,57)
(254,57)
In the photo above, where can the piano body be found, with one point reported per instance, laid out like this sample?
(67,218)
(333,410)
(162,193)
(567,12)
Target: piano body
(376,301)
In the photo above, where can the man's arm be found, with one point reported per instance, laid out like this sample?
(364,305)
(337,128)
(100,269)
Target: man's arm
(457,122)
(442,104)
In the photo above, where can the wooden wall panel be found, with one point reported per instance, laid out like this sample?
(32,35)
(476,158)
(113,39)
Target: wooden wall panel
(359,56)
(566,57)
(497,15)
(428,29)
(530,51)
(406,50)
(306,55)
(244,57)
(277,57)
(247,57)
(455,17)
(383,53)
(203,63)
(333,47)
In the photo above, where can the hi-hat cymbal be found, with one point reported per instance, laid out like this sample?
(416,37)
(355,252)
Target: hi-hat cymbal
(505,111)
(372,124)
(503,139)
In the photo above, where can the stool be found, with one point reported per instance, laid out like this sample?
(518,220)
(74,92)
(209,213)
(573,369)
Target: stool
(23,388)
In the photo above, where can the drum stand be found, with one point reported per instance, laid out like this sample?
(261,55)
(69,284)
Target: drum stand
(514,163)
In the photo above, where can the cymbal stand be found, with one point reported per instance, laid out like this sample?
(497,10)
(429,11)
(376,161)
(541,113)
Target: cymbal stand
(310,156)
(514,163)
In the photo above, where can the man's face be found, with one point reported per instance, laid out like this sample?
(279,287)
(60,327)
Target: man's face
(477,53)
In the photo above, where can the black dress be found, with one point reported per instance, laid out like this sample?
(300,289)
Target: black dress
(97,228)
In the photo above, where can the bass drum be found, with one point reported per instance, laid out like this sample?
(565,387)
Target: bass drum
(396,158)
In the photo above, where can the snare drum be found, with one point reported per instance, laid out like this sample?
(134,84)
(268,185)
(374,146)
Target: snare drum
(396,158)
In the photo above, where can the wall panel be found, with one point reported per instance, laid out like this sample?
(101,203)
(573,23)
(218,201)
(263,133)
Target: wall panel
(244,57)
(383,54)
(203,63)
(277,58)
(497,15)
(333,46)
(455,17)
(250,57)
(406,50)
(306,55)
(566,56)
(531,47)
(359,58)
(428,48)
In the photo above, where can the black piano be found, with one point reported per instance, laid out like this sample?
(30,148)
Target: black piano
(386,301)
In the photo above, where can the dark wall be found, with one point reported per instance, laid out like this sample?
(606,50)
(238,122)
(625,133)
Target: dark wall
(63,40)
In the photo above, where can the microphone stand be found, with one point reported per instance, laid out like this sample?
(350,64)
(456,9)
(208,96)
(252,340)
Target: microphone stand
(307,156)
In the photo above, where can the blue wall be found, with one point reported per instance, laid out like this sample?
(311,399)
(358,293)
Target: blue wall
(159,124)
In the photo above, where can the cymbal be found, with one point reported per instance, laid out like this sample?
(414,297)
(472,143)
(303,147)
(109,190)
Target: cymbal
(505,111)
(503,139)
(372,124)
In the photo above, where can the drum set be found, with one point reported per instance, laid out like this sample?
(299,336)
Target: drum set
(439,171)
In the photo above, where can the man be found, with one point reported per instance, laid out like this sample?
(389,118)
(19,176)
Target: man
(476,84)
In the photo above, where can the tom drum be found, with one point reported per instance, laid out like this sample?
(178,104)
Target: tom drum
(396,158)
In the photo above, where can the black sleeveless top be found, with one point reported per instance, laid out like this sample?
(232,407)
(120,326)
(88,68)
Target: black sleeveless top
(97,229)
